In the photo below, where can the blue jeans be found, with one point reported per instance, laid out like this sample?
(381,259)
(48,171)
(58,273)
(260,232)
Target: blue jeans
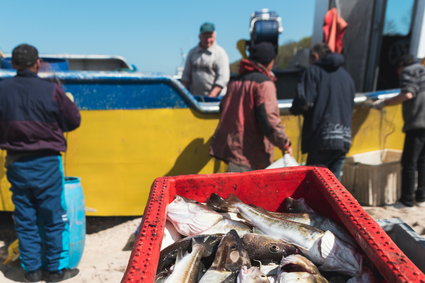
(332,159)
(412,161)
(40,212)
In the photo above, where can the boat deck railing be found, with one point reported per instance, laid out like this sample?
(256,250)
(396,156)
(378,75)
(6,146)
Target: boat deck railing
(202,107)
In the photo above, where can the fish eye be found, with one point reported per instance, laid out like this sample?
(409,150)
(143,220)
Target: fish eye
(274,248)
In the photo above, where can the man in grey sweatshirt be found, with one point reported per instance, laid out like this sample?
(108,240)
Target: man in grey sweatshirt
(412,97)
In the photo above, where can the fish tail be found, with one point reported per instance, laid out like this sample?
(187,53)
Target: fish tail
(216,202)
(220,204)
(207,243)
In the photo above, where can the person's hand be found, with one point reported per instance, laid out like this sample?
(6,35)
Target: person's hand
(70,96)
(287,150)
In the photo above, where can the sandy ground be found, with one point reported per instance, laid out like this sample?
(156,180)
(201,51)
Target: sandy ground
(106,251)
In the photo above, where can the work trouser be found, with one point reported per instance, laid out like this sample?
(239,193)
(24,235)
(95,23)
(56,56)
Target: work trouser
(236,168)
(412,162)
(332,159)
(40,212)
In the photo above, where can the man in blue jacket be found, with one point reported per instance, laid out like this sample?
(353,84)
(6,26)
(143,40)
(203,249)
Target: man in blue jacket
(34,114)
(326,99)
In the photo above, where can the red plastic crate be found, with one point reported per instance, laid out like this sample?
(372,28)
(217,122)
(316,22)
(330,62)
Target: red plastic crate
(268,188)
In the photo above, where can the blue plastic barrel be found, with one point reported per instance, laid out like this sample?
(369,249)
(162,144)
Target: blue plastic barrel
(74,198)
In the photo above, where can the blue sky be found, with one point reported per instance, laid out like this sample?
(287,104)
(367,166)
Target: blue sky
(149,34)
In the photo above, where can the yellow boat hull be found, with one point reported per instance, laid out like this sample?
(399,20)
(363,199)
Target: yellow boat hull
(118,153)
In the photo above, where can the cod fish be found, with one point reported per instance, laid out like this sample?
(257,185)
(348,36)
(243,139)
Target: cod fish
(321,247)
(298,211)
(251,275)
(191,218)
(229,258)
(267,249)
(299,206)
(187,267)
(168,256)
(297,268)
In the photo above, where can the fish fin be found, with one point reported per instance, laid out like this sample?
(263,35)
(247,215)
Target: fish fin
(179,256)
(327,244)
(260,264)
(235,234)
(232,198)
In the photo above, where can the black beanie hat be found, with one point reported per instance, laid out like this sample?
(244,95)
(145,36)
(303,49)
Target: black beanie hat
(24,55)
(263,52)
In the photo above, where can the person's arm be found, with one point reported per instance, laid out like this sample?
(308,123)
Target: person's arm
(400,98)
(222,68)
(215,91)
(306,93)
(409,86)
(268,116)
(187,72)
(69,116)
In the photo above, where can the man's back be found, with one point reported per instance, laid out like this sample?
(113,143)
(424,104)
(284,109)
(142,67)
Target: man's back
(34,113)
(250,125)
(329,92)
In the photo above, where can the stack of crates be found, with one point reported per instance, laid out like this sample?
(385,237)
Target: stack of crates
(374,177)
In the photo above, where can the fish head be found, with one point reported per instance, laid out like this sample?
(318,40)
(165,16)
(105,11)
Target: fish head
(252,275)
(296,206)
(267,249)
(297,268)
(191,218)
(339,256)
(298,263)
(231,254)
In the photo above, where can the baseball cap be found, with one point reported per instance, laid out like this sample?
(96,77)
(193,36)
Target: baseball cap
(207,27)
(24,55)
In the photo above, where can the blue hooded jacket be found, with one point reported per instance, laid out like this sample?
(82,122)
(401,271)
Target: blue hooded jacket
(325,96)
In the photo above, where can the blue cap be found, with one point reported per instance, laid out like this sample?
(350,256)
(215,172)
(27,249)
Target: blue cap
(207,27)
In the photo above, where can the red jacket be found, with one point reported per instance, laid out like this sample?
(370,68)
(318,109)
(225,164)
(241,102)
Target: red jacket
(250,124)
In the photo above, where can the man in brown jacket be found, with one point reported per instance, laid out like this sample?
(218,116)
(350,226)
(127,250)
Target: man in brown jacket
(250,124)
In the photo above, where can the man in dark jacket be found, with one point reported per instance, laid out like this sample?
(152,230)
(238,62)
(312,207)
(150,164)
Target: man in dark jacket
(250,124)
(412,95)
(326,99)
(34,114)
